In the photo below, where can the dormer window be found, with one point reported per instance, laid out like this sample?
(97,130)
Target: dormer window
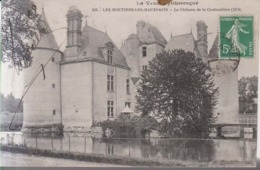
(109,47)
(109,56)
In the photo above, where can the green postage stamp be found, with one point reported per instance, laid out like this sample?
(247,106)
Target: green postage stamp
(237,36)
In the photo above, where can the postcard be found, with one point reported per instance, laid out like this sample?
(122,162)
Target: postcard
(109,83)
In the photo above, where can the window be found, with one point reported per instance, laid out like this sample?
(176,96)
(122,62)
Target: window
(110,108)
(52,59)
(144,67)
(128,104)
(53,85)
(109,56)
(127,86)
(144,51)
(54,112)
(110,149)
(84,53)
(110,83)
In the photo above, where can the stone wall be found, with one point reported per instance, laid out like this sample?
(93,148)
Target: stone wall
(152,50)
(76,92)
(101,95)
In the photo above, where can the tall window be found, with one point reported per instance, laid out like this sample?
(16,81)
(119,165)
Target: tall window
(144,67)
(144,51)
(110,83)
(109,56)
(127,86)
(110,149)
(110,108)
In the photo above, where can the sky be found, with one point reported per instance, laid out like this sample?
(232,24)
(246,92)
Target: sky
(119,25)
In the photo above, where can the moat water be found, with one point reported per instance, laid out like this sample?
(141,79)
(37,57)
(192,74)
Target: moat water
(205,150)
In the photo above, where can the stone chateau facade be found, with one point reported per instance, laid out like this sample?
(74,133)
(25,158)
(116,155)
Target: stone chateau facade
(93,80)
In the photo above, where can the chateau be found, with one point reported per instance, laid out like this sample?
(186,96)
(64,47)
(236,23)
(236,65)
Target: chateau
(93,80)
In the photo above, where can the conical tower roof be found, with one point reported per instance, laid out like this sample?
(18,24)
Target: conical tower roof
(127,110)
(47,40)
(213,53)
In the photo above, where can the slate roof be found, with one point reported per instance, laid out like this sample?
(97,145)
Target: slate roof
(132,36)
(184,41)
(94,41)
(74,9)
(213,53)
(47,40)
(156,35)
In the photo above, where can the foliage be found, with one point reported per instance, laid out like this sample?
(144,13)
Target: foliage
(22,28)
(124,126)
(178,88)
(10,104)
(166,129)
(247,89)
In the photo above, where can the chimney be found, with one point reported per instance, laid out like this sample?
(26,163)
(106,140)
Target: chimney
(74,21)
(74,32)
(139,26)
(202,38)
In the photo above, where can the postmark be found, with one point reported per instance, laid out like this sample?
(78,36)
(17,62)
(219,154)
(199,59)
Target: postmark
(237,37)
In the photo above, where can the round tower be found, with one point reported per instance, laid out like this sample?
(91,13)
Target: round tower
(226,79)
(42,102)
(133,43)
(225,74)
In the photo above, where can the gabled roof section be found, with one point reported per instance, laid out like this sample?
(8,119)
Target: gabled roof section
(157,35)
(213,53)
(185,42)
(93,44)
(47,40)
(151,34)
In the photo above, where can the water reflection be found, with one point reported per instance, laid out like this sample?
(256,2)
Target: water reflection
(177,149)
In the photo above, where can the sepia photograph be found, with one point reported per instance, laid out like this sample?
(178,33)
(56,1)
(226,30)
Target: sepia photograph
(129,83)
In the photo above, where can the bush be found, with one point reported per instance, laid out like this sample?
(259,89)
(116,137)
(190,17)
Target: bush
(125,127)
(168,129)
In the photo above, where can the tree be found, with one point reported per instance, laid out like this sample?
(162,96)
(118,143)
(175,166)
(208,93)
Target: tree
(22,28)
(247,89)
(10,104)
(178,88)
